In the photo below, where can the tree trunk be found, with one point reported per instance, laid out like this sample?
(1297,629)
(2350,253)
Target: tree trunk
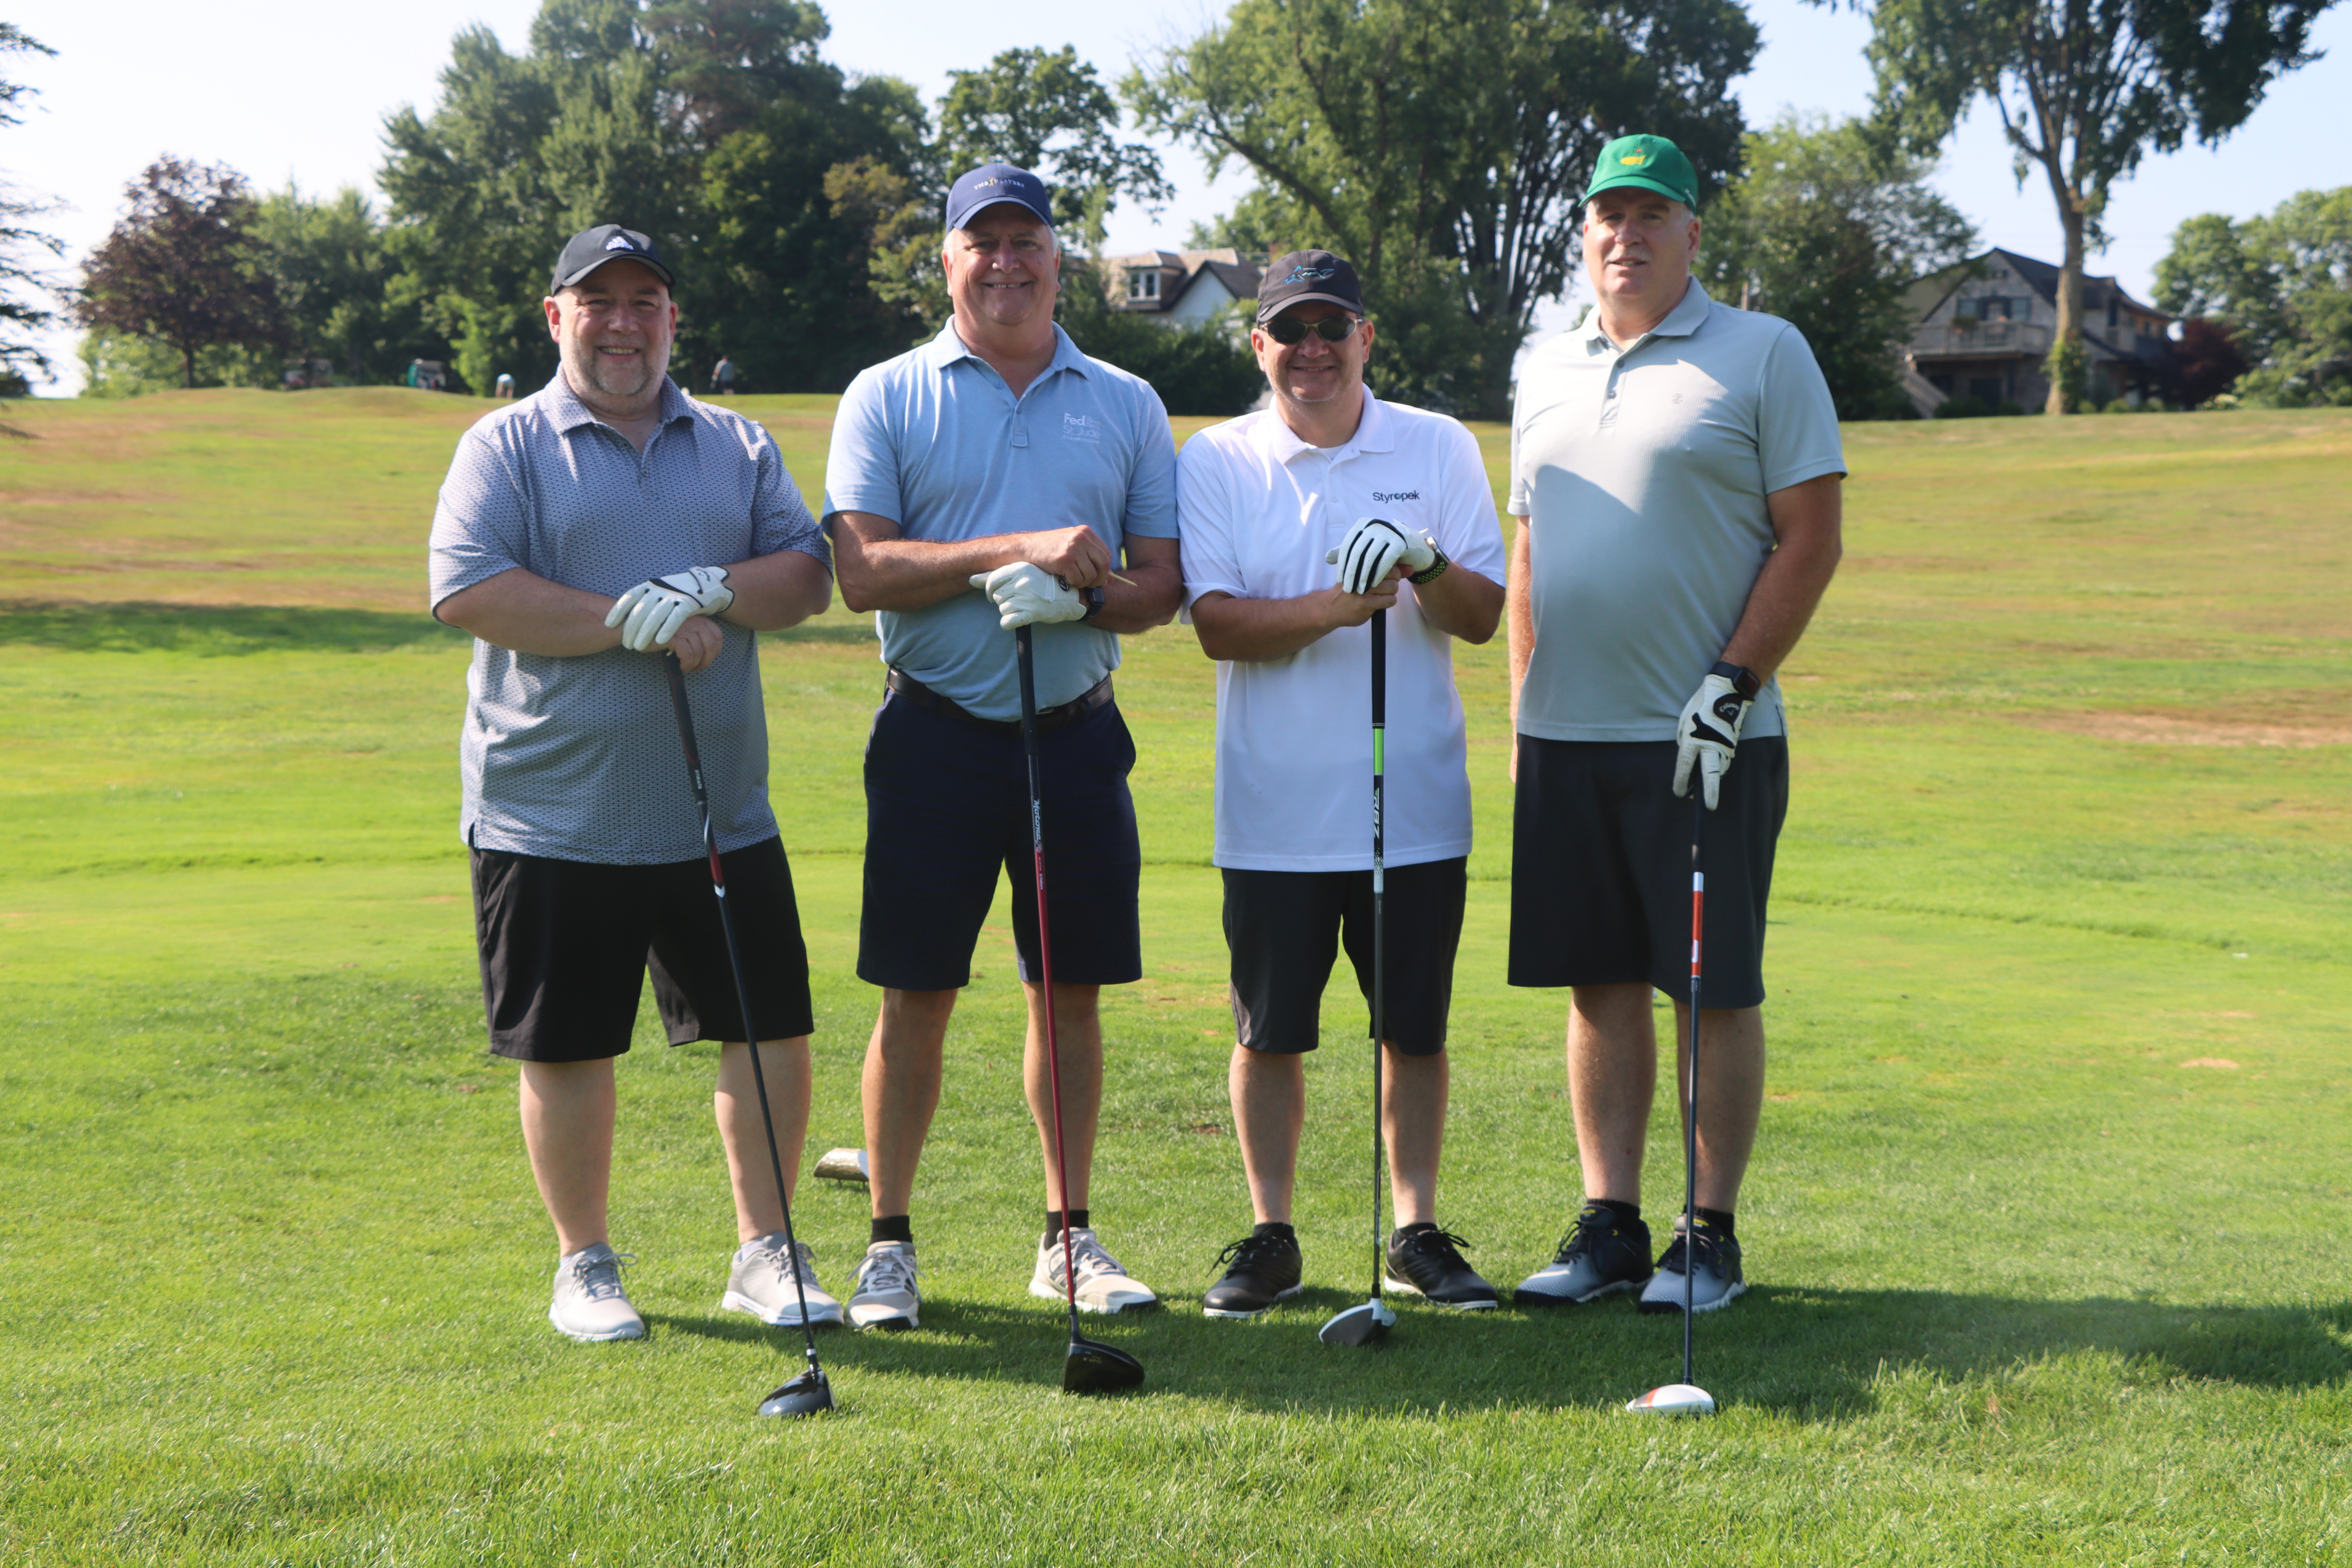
(2067,354)
(188,365)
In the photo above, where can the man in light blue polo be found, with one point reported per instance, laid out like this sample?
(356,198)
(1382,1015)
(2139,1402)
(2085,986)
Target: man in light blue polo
(995,477)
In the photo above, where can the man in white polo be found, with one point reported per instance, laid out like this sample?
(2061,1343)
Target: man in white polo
(1269,503)
(1677,465)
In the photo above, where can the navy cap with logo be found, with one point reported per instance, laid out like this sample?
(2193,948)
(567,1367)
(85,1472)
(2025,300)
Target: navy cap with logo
(1305,275)
(591,247)
(993,183)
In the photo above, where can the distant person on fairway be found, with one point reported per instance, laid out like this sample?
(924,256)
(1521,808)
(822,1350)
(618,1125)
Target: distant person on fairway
(990,478)
(722,377)
(1677,466)
(1265,498)
(582,531)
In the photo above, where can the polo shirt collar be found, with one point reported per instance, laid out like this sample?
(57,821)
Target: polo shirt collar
(1681,321)
(949,347)
(570,413)
(1375,432)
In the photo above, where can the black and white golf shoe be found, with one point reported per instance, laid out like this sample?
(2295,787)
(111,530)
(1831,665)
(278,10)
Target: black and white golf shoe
(1260,1271)
(1714,1282)
(1428,1262)
(1602,1254)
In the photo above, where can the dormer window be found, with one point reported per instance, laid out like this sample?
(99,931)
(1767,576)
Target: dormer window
(1143,283)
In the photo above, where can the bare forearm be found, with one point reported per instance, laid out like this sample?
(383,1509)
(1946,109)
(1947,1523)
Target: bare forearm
(524,613)
(773,592)
(1261,628)
(1461,602)
(1148,599)
(1808,520)
(913,574)
(1519,618)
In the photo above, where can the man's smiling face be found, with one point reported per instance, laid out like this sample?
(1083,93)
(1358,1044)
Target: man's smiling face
(614,328)
(1004,269)
(1638,247)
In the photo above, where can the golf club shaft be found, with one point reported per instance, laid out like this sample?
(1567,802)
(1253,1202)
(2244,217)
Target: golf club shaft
(679,705)
(1379,919)
(1690,1096)
(1024,656)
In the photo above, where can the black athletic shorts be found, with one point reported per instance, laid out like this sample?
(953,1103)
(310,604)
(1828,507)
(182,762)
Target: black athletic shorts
(565,946)
(1601,867)
(1284,928)
(947,813)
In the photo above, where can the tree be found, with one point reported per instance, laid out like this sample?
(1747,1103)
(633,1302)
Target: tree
(183,266)
(2084,88)
(1048,113)
(2206,362)
(1827,227)
(2282,285)
(1444,145)
(25,287)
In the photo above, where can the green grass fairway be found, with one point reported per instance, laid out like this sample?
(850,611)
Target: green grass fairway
(2046,1227)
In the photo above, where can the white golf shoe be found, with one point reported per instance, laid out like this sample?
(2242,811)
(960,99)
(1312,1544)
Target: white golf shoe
(770,1282)
(1104,1283)
(590,1304)
(886,1297)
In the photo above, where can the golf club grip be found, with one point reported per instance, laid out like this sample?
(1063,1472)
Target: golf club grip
(1024,660)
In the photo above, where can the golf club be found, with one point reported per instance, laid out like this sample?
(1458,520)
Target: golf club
(1686,1398)
(1091,1366)
(810,1392)
(1370,1324)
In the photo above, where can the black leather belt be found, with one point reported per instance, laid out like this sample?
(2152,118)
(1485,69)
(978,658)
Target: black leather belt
(1059,717)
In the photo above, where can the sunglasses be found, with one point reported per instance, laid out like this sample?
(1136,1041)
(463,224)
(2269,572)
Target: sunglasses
(1289,332)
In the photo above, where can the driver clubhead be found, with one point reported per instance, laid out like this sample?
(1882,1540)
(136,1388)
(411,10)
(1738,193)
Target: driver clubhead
(1365,1325)
(1093,1367)
(1674,1399)
(804,1395)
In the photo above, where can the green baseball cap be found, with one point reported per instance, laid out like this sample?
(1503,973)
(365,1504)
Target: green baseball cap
(1651,162)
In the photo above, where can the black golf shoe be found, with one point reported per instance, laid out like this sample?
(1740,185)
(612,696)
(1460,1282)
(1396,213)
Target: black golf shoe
(1601,1255)
(1261,1270)
(1714,1280)
(1428,1262)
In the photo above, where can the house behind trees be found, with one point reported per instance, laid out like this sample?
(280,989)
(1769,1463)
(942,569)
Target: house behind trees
(1983,327)
(1184,288)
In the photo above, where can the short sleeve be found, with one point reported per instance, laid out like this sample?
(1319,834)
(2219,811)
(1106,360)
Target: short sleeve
(1151,485)
(861,466)
(1796,421)
(481,525)
(1204,508)
(780,518)
(1518,504)
(1473,537)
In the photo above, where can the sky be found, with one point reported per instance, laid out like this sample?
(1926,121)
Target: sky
(293,91)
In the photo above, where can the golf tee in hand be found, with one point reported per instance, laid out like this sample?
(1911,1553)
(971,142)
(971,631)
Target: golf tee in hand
(1707,735)
(650,614)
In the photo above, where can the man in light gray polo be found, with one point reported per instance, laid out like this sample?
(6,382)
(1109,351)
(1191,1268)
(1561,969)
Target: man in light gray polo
(1676,466)
(992,478)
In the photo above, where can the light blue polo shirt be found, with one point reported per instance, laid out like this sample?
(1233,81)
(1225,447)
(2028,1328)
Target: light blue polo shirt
(935,441)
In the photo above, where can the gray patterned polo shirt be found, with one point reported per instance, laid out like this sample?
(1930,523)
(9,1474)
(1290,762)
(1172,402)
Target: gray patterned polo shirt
(577,758)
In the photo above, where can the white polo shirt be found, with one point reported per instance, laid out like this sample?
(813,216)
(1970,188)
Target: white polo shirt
(1258,507)
(1643,474)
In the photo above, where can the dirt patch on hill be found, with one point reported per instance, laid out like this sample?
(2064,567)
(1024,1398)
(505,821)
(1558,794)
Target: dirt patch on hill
(2173,730)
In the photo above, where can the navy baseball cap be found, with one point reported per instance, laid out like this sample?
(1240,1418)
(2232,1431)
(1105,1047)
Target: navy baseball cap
(993,183)
(1305,275)
(591,247)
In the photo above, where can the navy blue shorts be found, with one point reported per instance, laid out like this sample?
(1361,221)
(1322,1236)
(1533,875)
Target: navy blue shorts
(1601,867)
(947,813)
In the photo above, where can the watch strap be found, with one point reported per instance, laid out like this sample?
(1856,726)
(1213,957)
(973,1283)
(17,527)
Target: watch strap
(1743,680)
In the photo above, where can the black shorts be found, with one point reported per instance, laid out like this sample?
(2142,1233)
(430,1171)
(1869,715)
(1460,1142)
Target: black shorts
(1284,928)
(947,813)
(1601,867)
(565,946)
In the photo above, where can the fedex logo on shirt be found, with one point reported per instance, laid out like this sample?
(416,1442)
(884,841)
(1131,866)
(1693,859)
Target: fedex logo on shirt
(1386,496)
(1081,427)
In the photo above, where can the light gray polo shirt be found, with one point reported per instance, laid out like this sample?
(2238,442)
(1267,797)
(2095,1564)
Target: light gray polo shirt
(935,441)
(577,758)
(1642,474)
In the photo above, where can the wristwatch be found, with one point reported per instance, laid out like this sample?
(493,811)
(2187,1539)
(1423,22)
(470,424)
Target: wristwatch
(1094,603)
(1436,567)
(1743,680)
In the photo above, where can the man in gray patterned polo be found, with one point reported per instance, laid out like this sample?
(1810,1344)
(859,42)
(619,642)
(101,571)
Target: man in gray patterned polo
(582,531)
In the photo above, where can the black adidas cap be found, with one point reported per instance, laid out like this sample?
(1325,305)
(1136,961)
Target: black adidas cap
(591,247)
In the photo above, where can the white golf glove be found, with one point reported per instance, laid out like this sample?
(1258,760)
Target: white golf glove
(1707,734)
(657,607)
(1375,546)
(1028,595)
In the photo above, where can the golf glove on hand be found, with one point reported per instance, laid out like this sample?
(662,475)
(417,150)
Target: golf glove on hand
(1372,549)
(1707,734)
(1028,595)
(657,607)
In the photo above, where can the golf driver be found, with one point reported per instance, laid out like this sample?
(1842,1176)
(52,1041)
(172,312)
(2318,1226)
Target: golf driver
(1686,1398)
(1091,1366)
(1370,1324)
(810,1392)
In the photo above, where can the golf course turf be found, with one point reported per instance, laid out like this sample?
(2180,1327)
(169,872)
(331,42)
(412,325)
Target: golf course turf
(2044,1232)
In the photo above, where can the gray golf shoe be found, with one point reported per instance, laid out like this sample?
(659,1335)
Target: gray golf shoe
(1714,1280)
(590,1304)
(885,1296)
(1104,1283)
(1602,1254)
(762,1283)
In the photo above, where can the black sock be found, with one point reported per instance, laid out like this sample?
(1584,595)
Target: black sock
(1054,1222)
(895,1227)
(1622,1211)
(1276,1229)
(1718,1219)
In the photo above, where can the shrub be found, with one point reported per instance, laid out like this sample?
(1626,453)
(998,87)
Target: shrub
(1961,408)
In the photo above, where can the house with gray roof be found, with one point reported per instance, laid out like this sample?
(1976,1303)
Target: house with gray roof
(1183,288)
(1982,328)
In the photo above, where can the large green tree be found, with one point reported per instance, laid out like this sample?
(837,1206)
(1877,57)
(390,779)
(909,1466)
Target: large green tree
(2282,284)
(183,267)
(26,292)
(2085,89)
(1443,145)
(1826,228)
(1049,113)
